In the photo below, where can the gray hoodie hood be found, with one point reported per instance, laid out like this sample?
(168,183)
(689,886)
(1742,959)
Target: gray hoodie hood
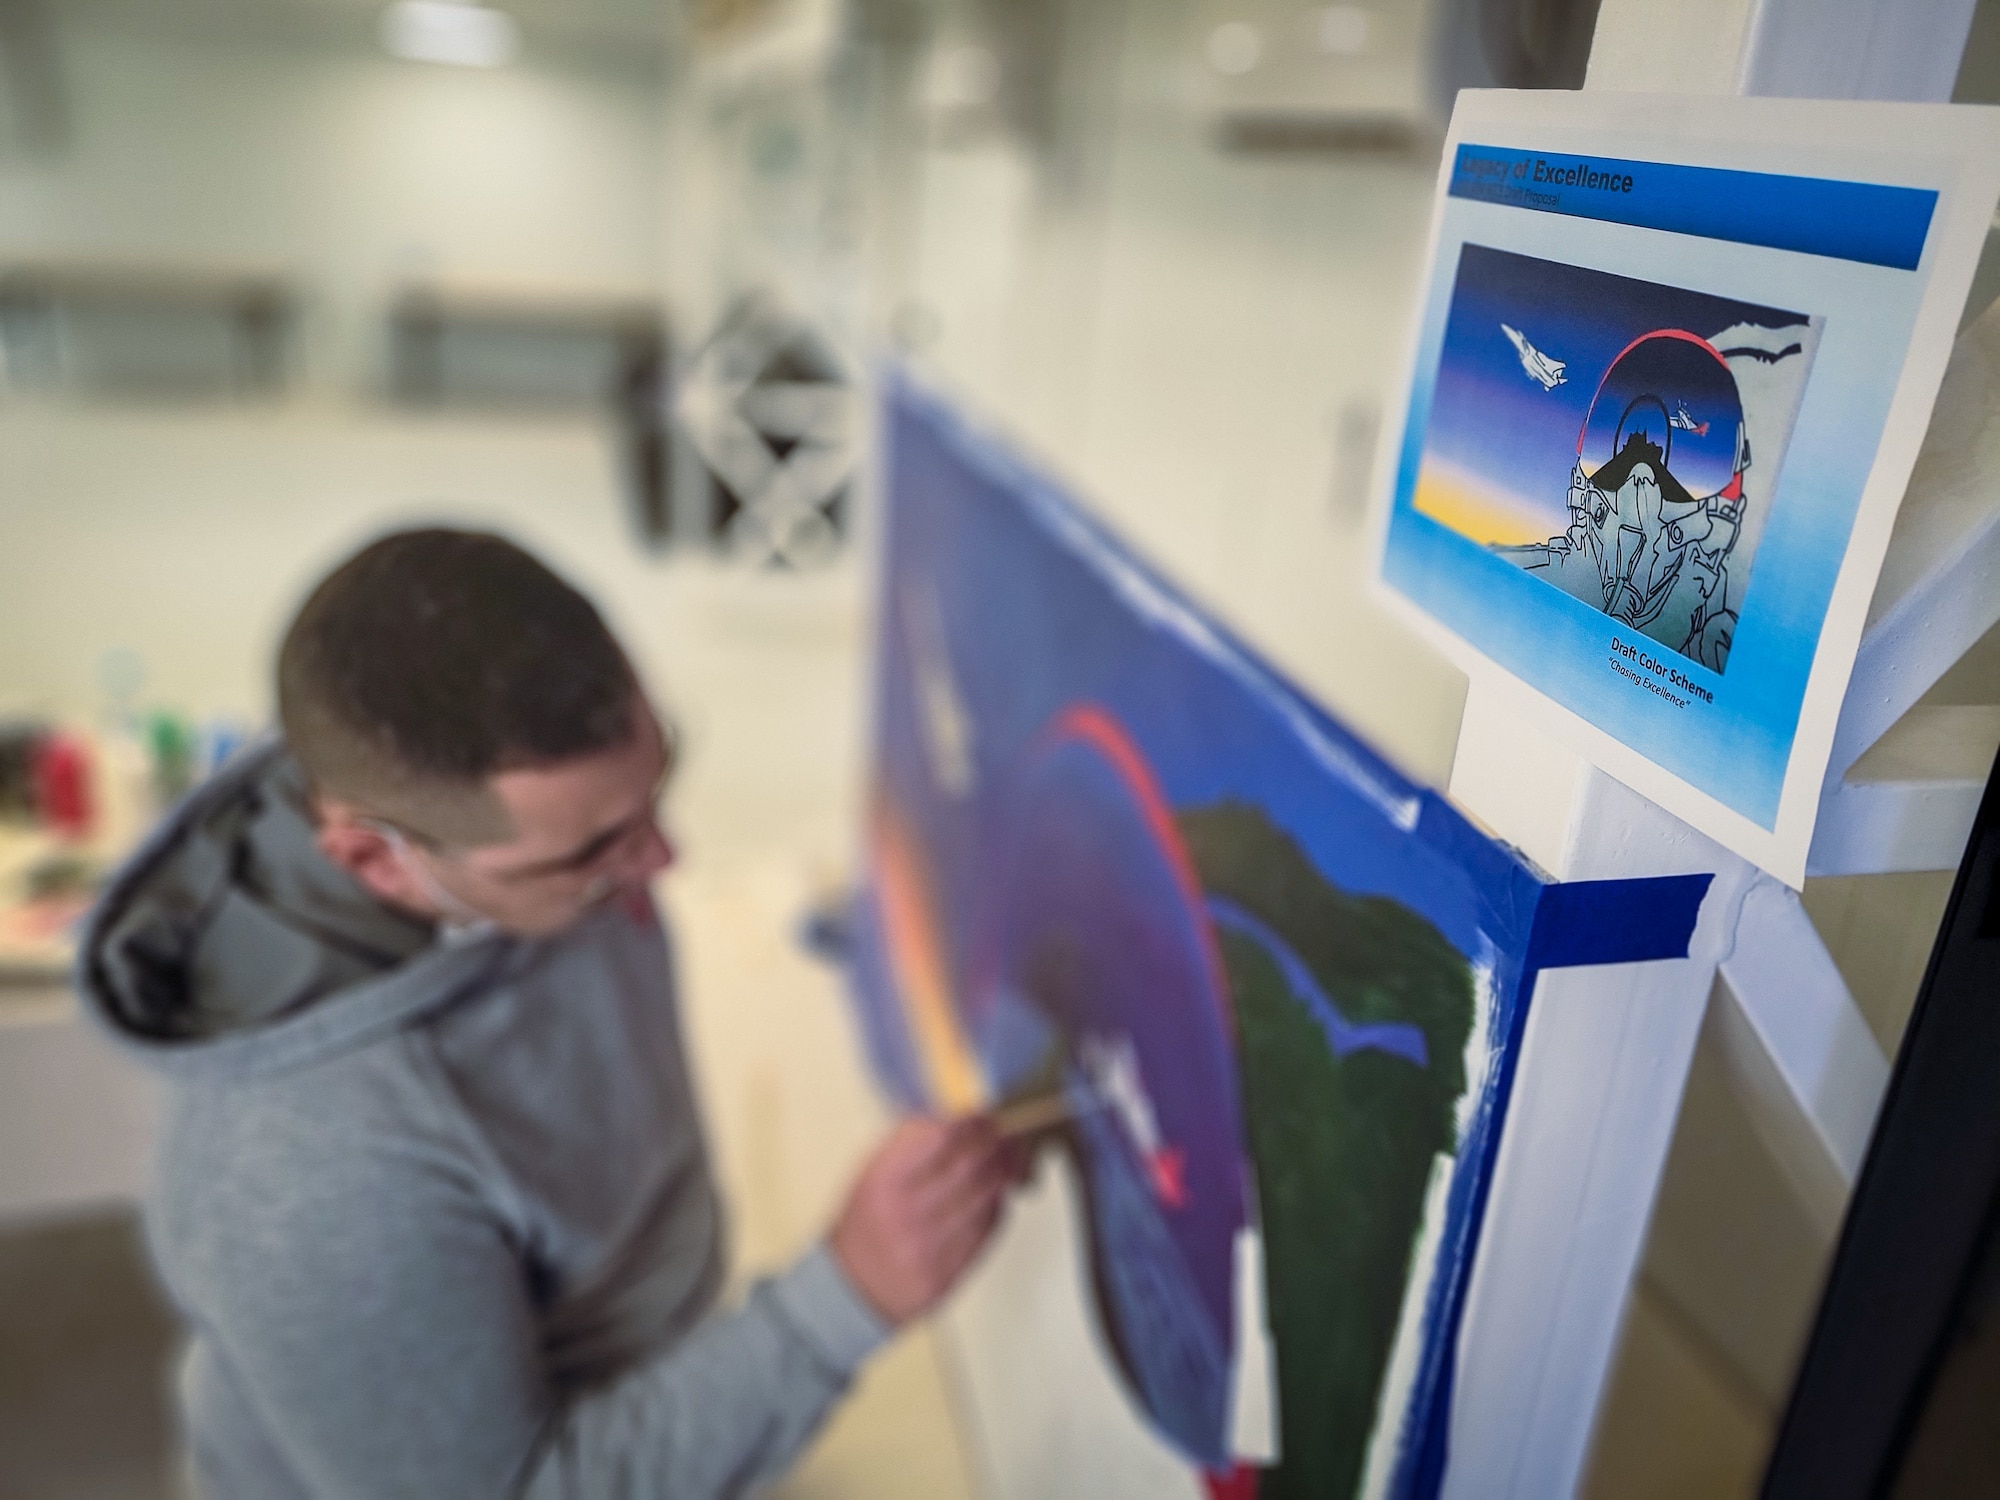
(230,945)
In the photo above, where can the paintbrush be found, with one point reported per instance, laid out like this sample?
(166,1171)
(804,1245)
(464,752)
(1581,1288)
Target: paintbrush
(1035,1112)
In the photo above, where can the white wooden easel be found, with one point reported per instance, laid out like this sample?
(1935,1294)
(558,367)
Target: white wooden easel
(1607,1051)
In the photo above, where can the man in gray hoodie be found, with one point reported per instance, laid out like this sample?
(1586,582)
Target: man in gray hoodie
(432,1193)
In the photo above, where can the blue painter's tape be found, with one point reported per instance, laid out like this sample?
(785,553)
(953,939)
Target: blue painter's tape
(1576,922)
(1878,224)
(1616,921)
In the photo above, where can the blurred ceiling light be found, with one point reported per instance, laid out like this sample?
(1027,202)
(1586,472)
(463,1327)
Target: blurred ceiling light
(1234,47)
(463,33)
(963,78)
(1343,30)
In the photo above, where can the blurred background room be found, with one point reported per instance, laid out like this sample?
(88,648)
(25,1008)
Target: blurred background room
(614,277)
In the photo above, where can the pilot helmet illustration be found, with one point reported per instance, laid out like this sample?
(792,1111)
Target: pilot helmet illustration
(1669,401)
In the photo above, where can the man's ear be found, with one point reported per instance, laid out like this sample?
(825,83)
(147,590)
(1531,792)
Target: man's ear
(358,846)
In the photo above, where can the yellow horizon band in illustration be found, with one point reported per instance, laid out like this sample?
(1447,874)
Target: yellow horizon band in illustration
(1452,498)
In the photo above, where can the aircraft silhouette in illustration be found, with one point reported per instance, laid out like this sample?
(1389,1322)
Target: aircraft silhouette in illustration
(1685,422)
(1538,365)
(1113,1070)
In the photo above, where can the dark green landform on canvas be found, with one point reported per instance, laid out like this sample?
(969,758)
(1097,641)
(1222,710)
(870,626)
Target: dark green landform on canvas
(1343,1144)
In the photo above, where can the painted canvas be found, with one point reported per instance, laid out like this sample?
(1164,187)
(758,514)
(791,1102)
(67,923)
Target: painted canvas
(1112,855)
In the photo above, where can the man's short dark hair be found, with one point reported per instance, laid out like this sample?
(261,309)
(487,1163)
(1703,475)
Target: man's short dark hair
(432,659)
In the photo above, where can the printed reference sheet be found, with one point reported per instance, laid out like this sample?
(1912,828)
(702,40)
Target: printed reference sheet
(1673,361)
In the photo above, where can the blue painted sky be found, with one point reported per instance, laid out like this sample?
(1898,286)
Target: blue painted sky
(1031,627)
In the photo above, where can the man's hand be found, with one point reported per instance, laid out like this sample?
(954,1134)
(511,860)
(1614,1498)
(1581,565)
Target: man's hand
(921,1210)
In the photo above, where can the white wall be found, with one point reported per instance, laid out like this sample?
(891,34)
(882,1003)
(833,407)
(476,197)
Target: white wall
(1193,337)
(342,166)
(190,534)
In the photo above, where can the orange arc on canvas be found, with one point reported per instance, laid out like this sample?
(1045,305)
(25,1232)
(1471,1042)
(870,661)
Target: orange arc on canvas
(918,967)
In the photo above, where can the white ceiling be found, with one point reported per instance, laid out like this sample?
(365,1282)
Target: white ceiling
(632,31)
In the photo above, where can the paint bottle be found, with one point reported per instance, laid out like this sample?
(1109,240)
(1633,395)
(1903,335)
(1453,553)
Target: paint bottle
(124,781)
(170,743)
(221,738)
(63,799)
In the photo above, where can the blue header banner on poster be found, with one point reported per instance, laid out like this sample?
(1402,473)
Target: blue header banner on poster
(1877,224)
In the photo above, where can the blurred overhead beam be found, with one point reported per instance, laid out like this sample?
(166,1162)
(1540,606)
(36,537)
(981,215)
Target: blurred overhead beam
(33,80)
(1856,49)
(1815,49)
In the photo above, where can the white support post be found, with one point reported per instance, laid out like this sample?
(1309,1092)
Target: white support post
(1795,1039)
(1596,1097)
(1854,49)
(1902,786)
(1607,1051)
(1598,1092)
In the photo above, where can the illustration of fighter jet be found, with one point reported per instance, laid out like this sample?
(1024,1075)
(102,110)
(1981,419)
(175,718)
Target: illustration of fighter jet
(1685,422)
(1112,1066)
(1538,365)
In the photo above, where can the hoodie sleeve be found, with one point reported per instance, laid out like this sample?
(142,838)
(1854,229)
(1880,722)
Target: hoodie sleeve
(378,1332)
(728,1407)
